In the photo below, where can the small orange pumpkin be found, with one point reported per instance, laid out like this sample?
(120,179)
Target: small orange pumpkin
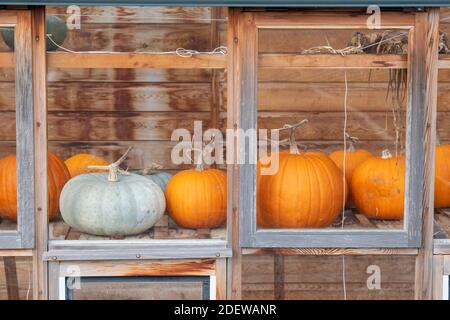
(306,191)
(78,164)
(197,198)
(378,186)
(58,175)
(353,158)
(442,177)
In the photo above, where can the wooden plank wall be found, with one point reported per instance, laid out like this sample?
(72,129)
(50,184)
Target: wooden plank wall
(320,277)
(104,111)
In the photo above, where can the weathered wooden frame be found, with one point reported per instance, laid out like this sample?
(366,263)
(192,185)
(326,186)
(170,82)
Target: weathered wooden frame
(215,269)
(23,237)
(419,125)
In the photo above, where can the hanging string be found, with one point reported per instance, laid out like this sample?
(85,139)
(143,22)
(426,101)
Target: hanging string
(344,178)
(181,52)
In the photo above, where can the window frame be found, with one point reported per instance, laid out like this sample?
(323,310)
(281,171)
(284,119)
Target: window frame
(418,128)
(24,236)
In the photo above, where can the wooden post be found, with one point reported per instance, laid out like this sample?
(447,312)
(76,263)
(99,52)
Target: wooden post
(234,264)
(12,284)
(215,74)
(40,275)
(24,132)
(425,67)
(278,270)
(438,273)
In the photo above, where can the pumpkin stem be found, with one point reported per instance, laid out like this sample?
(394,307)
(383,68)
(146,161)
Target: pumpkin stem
(293,148)
(386,154)
(151,168)
(200,165)
(114,168)
(352,142)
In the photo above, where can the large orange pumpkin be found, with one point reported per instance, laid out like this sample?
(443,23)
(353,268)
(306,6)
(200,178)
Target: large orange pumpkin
(442,177)
(353,158)
(58,175)
(78,164)
(197,198)
(378,186)
(307,190)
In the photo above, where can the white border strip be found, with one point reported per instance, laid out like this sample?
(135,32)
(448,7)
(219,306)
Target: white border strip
(445,285)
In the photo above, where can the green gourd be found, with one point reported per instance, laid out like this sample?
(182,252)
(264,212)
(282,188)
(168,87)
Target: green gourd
(55,27)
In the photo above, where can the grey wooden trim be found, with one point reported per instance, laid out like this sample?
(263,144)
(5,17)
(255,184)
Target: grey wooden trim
(131,250)
(415,131)
(247,59)
(25,131)
(441,244)
(328,238)
(53,280)
(10,240)
(24,237)
(408,237)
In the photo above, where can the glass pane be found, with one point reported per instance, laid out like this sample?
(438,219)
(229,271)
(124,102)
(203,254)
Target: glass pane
(16,278)
(137,290)
(8,188)
(326,122)
(95,115)
(442,165)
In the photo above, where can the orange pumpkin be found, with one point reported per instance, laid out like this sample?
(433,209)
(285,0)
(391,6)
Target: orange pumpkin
(307,190)
(378,186)
(442,177)
(197,198)
(78,164)
(353,158)
(58,175)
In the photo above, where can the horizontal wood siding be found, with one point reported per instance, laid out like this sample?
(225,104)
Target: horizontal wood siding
(320,277)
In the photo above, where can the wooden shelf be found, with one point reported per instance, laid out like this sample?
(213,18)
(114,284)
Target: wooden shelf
(134,60)
(444,61)
(163,230)
(131,60)
(331,61)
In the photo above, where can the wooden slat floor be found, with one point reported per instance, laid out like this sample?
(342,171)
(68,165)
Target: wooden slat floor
(167,229)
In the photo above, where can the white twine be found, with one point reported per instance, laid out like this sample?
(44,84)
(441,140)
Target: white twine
(349,49)
(181,52)
(343,178)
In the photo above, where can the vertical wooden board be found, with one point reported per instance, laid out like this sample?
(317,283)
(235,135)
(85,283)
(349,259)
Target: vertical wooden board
(424,90)
(21,281)
(233,219)
(247,34)
(221,279)
(12,283)
(24,128)
(279,271)
(438,272)
(40,155)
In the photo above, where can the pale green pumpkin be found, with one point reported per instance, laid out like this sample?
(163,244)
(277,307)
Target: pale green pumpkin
(109,204)
(161,178)
(92,204)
